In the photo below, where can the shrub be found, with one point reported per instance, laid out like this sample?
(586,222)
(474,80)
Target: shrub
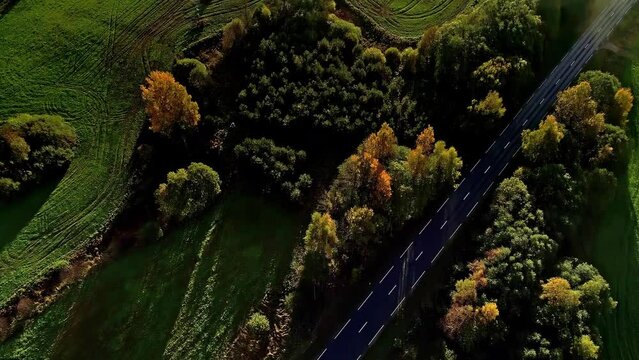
(8,187)
(187,192)
(32,146)
(192,72)
(258,324)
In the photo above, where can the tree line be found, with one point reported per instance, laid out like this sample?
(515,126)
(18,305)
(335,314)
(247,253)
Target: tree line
(521,296)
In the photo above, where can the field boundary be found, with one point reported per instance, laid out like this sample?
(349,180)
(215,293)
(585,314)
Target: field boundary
(385,35)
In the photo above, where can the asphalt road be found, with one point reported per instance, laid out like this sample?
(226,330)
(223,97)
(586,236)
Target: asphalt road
(357,333)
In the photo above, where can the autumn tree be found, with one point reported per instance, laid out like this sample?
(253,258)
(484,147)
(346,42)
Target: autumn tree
(381,145)
(558,292)
(623,104)
(542,145)
(321,235)
(361,179)
(468,324)
(168,104)
(425,141)
(417,159)
(577,110)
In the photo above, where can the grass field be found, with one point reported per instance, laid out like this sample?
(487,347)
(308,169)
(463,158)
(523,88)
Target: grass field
(408,18)
(83,61)
(181,298)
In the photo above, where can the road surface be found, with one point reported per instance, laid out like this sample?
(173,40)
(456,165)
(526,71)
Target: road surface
(357,333)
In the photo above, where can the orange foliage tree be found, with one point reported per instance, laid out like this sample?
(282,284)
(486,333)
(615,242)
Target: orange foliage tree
(168,104)
(382,144)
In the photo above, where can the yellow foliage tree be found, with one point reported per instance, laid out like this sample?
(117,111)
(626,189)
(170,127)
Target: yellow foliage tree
(585,349)
(465,292)
(543,144)
(488,312)
(623,105)
(578,111)
(321,235)
(557,292)
(168,104)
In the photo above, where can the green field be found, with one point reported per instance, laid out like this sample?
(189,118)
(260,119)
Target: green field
(408,18)
(84,61)
(180,298)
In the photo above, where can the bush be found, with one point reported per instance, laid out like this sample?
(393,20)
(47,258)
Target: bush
(8,187)
(258,324)
(32,146)
(187,192)
(192,72)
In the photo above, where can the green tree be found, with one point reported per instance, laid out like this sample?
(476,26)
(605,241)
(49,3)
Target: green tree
(491,107)
(604,87)
(595,290)
(275,166)
(360,228)
(585,349)
(187,192)
(393,58)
